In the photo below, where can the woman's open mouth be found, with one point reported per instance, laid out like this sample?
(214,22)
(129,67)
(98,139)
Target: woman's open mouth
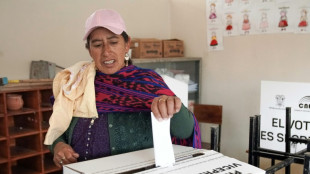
(109,62)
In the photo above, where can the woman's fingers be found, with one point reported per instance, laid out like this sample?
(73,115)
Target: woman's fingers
(155,109)
(163,107)
(177,105)
(58,160)
(64,154)
(70,156)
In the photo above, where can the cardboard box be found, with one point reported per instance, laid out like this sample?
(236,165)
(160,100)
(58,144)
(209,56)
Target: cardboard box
(188,160)
(173,48)
(146,48)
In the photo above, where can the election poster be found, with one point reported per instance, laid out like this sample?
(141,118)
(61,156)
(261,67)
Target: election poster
(275,97)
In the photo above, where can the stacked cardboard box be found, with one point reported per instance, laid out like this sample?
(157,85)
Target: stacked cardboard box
(146,48)
(173,48)
(154,48)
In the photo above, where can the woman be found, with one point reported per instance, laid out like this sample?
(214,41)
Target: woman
(103,107)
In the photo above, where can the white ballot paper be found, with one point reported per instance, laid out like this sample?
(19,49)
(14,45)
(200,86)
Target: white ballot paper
(163,150)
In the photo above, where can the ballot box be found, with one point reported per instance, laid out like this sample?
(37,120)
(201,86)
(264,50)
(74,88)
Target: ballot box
(188,160)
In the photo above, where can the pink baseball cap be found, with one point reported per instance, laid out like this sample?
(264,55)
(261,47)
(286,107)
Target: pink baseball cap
(106,18)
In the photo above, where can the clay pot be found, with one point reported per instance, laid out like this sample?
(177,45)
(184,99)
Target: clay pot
(14,101)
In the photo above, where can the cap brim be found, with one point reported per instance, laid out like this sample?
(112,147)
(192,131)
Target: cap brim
(112,29)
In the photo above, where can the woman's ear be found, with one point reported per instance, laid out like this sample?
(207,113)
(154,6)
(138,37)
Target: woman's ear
(90,53)
(128,44)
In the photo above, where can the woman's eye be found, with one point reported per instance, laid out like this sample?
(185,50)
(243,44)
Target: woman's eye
(97,45)
(113,43)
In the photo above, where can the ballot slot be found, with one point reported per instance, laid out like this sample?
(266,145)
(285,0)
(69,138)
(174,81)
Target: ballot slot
(182,158)
(178,159)
(139,169)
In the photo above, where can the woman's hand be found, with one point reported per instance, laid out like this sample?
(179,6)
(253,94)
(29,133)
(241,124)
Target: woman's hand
(64,154)
(163,107)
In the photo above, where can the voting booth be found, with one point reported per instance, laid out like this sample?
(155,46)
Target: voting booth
(281,132)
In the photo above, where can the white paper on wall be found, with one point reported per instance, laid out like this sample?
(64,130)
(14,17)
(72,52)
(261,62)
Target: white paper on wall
(214,25)
(214,12)
(301,17)
(230,22)
(247,3)
(264,18)
(215,38)
(230,4)
(275,97)
(246,21)
(247,17)
(267,1)
(284,15)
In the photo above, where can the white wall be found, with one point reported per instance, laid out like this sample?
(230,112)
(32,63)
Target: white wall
(53,30)
(232,77)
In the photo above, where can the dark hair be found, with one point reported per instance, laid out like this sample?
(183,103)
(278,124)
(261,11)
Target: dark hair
(126,39)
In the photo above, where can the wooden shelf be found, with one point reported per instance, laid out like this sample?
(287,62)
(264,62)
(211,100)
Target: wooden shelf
(2,138)
(51,168)
(49,165)
(22,131)
(21,112)
(21,152)
(56,172)
(46,108)
(16,132)
(4,168)
(44,126)
(19,170)
(46,150)
(3,160)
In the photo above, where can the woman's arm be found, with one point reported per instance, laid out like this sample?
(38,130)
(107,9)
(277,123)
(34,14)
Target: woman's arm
(63,152)
(60,139)
(182,123)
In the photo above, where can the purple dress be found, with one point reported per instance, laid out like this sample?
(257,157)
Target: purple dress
(95,143)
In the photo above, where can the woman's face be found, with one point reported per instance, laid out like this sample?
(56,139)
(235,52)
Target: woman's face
(108,50)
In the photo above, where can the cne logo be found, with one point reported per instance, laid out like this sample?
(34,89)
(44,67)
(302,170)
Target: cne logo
(304,103)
